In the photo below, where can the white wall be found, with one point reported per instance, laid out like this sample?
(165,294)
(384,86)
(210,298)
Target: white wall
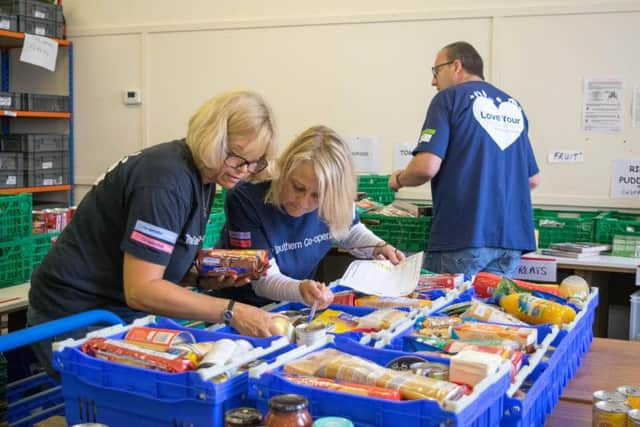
(362,67)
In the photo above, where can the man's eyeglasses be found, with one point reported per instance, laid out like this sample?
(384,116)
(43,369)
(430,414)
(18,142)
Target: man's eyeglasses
(238,162)
(435,68)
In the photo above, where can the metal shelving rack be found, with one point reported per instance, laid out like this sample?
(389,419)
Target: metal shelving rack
(13,40)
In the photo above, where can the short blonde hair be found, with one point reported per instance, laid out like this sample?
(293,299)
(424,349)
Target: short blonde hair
(331,158)
(227,116)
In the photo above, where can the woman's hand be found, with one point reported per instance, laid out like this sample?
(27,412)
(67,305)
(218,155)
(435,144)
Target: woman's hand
(254,321)
(231,280)
(388,252)
(313,291)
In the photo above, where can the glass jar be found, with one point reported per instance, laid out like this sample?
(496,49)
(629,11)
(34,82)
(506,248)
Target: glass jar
(242,417)
(288,410)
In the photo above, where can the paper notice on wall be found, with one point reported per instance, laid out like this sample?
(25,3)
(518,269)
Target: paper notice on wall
(625,179)
(402,156)
(365,151)
(566,156)
(602,105)
(40,51)
(635,108)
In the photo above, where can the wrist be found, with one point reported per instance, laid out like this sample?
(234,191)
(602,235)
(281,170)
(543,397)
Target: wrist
(398,179)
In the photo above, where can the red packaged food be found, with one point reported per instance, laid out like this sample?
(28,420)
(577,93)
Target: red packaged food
(243,262)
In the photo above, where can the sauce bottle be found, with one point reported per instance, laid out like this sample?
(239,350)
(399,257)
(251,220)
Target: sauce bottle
(288,410)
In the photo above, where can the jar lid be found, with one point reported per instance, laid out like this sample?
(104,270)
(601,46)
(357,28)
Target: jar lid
(242,416)
(288,403)
(332,422)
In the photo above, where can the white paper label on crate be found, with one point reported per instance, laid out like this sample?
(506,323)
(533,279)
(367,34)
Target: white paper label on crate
(47,165)
(40,51)
(537,269)
(5,24)
(10,113)
(39,14)
(5,101)
(11,180)
(49,181)
(40,31)
(365,151)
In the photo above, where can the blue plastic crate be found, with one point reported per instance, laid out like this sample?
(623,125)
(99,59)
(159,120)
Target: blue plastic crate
(33,399)
(482,408)
(551,376)
(115,394)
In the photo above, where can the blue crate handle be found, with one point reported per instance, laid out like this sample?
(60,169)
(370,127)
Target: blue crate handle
(55,327)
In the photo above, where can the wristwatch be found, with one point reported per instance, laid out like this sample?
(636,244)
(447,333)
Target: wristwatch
(227,314)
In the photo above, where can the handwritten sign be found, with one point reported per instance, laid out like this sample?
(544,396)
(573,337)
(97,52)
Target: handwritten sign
(625,179)
(365,151)
(402,156)
(566,156)
(537,269)
(40,51)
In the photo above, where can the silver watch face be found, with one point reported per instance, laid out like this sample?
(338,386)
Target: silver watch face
(227,315)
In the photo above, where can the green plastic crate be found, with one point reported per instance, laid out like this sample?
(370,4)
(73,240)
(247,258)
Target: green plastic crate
(626,246)
(377,188)
(15,216)
(213,228)
(564,226)
(613,223)
(40,245)
(405,233)
(15,262)
(218,200)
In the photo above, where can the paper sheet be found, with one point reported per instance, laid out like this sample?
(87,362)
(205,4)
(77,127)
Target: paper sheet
(40,51)
(382,278)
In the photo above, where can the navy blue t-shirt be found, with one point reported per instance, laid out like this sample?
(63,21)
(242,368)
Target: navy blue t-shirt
(481,195)
(297,244)
(152,205)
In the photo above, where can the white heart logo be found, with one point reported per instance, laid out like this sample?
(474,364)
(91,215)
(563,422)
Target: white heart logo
(504,123)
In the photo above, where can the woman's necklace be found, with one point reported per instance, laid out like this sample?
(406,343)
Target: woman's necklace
(206,200)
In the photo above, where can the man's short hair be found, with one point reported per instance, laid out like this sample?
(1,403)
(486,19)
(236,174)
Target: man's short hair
(468,56)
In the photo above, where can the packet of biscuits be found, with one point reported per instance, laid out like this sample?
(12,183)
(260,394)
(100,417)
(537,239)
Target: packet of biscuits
(242,262)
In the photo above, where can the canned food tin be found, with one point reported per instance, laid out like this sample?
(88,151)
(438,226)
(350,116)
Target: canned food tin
(633,418)
(439,372)
(609,414)
(632,394)
(421,368)
(608,396)
(308,333)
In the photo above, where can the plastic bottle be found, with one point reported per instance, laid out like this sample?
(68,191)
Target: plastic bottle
(536,310)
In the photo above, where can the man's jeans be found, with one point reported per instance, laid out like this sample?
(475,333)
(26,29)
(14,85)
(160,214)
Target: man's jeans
(471,261)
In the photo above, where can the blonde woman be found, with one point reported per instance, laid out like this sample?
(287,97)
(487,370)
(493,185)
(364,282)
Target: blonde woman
(297,216)
(136,234)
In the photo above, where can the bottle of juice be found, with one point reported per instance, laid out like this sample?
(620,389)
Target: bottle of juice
(536,310)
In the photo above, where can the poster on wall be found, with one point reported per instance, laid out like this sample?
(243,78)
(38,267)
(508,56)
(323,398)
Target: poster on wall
(366,153)
(602,105)
(402,156)
(625,179)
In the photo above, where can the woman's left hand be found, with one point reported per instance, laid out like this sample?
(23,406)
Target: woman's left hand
(388,252)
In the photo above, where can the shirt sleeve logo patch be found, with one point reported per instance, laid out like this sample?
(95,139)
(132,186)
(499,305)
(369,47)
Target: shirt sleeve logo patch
(151,242)
(156,232)
(426,135)
(240,239)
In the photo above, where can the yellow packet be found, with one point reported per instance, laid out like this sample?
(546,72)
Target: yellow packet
(337,321)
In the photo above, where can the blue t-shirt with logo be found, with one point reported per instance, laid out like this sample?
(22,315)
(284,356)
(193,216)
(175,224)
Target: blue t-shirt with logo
(152,205)
(481,195)
(297,244)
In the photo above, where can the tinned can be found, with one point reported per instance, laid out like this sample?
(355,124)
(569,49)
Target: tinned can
(609,414)
(439,372)
(309,333)
(608,396)
(633,418)
(632,393)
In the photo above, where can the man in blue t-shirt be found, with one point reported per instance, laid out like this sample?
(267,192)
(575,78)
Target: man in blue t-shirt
(474,148)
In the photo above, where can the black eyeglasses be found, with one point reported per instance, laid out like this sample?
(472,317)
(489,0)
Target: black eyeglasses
(435,68)
(238,162)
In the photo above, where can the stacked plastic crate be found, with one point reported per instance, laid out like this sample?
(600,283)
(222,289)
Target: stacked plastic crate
(32,16)
(15,234)
(44,157)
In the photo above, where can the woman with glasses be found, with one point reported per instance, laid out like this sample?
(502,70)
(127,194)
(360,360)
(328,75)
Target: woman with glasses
(296,216)
(136,234)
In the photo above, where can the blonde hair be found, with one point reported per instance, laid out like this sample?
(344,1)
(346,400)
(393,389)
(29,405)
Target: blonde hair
(331,159)
(227,116)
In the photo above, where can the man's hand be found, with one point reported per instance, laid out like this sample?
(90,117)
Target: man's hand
(388,252)
(313,291)
(394,183)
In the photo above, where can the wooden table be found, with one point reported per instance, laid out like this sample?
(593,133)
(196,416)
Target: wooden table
(609,364)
